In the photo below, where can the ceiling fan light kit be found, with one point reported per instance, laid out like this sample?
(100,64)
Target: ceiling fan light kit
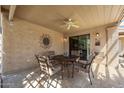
(69,23)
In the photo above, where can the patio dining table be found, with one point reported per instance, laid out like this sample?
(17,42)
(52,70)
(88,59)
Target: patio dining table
(66,61)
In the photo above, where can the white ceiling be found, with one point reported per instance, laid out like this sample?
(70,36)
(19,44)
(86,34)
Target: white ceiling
(87,17)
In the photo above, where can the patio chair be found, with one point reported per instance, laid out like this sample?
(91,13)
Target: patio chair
(1,81)
(46,66)
(49,54)
(85,66)
(64,67)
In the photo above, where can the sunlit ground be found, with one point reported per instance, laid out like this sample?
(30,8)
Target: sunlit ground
(104,77)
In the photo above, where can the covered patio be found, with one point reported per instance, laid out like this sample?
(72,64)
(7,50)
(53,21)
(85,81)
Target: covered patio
(79,31)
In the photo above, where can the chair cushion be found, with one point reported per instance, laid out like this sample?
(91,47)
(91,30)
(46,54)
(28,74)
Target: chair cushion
(53,70)
(83,62)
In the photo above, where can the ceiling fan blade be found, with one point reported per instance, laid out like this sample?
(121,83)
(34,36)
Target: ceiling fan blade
(76,26)
(69,27)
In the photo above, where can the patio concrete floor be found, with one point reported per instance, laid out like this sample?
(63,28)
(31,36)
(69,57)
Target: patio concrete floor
(105,77)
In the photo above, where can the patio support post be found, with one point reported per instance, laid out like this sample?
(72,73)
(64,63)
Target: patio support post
(11,12)
(1,80)
(106,31)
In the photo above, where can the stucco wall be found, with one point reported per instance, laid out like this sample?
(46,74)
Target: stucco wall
(108,47)
(92,32)
(21,42)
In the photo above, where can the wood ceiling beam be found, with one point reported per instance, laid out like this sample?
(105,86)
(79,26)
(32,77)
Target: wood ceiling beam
(11,12)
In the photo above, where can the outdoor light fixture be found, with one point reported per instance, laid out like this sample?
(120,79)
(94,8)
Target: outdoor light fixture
(97,34)
(65,38)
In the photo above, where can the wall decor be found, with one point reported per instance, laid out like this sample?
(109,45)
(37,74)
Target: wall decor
(97,42)
(45,41)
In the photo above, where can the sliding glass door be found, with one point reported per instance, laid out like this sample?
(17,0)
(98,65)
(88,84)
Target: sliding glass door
(80,46)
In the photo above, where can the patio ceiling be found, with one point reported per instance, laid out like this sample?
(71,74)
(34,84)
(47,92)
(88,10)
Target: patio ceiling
(87,17)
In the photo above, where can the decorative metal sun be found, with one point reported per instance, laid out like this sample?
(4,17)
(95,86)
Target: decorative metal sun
(45,41)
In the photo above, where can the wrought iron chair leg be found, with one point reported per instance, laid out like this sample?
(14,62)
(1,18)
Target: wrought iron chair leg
(62,70)
(68,71)
(1,81)
(48,84)
(73,70)
(90,78)
(92,72)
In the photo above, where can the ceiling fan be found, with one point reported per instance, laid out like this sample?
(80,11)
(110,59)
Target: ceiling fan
(69,23)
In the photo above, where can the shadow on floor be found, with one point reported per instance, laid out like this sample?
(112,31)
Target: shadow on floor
(107,78)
